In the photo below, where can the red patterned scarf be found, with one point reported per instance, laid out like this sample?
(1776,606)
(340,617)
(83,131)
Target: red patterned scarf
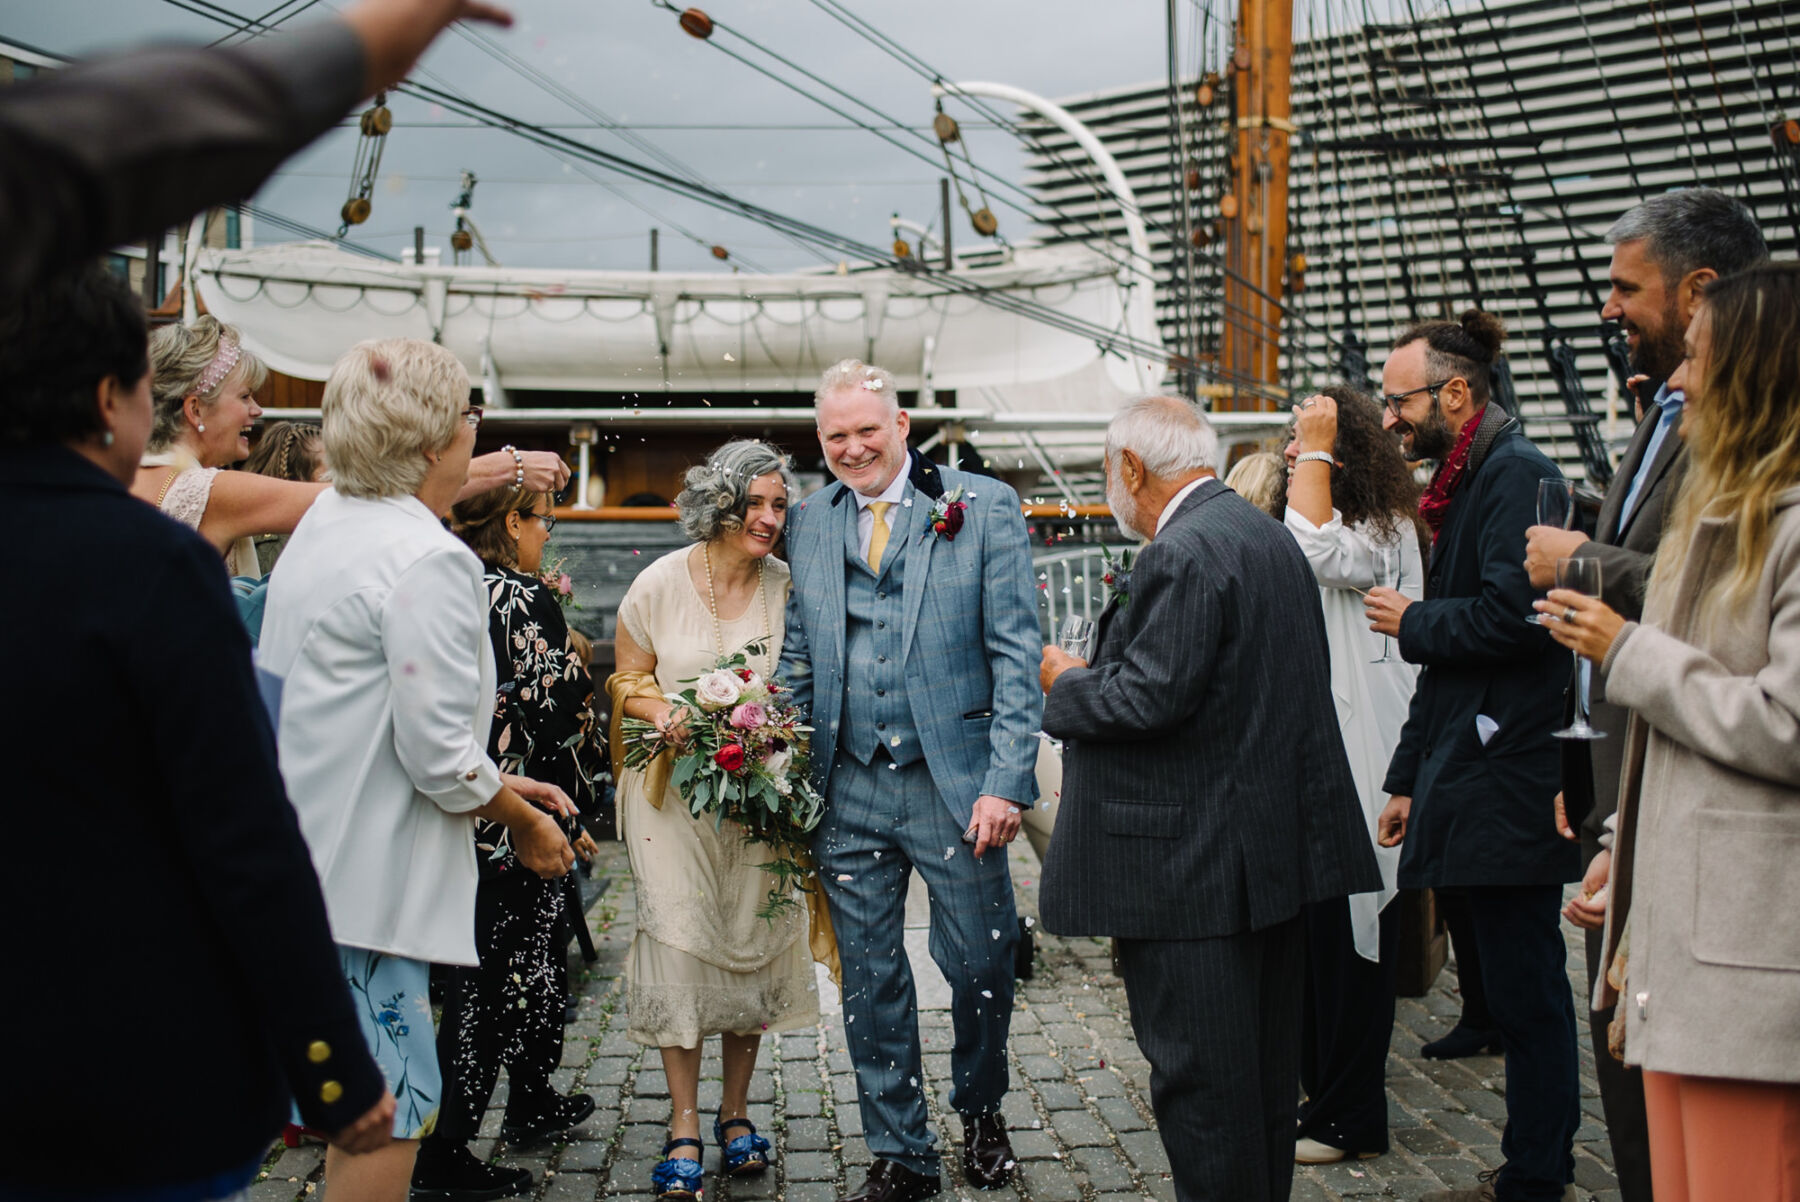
(1434,503)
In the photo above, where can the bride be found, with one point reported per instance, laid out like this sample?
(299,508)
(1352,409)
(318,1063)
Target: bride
(702,961)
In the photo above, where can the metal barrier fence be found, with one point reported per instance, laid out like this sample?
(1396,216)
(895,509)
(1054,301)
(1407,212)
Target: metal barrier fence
(1072,582)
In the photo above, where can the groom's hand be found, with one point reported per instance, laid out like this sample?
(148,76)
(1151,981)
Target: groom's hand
(995,823)
(1390,828)
(1056,662)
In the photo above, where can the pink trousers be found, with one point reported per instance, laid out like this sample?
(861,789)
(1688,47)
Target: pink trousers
(1713,1140)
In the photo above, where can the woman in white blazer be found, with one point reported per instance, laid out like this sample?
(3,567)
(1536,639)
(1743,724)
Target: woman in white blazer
(377,665)
(1351,501)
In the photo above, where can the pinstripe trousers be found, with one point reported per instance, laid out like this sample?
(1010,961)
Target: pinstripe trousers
(1219,1021)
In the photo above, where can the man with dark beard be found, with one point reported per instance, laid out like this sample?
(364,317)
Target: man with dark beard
(1665,252)
(1476,767)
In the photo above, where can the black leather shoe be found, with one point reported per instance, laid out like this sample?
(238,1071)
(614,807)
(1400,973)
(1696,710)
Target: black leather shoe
(1461,1041)
(561,1114)
(450,1173)
(987,1152)
(889,1182)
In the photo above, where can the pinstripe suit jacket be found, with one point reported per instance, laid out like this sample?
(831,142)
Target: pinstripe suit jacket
(970,638)
(1205,787)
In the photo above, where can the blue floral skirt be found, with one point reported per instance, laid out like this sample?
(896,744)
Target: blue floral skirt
(392,999)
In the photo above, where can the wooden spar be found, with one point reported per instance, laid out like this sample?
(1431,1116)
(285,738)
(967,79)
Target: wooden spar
(1256,225)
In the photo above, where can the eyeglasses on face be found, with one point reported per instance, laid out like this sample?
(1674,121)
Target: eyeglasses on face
(548,519)
(1394,400)
(472,415)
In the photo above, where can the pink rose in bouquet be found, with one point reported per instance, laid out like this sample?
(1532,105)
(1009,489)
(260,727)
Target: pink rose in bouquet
(748,716)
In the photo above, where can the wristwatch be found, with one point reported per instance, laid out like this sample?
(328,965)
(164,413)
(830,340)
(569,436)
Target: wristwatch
(1313,457)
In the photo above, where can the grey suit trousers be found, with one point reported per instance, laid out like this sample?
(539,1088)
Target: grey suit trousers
(1219,1021)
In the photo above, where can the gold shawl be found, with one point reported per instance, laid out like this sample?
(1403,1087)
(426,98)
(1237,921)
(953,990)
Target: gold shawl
(622,686)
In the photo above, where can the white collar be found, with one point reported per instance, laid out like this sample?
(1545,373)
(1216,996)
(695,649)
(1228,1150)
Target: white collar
(892,494)
(1176,500)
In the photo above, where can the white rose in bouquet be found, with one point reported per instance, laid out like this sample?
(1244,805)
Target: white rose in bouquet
(754,689)
(717,690)
(778,765)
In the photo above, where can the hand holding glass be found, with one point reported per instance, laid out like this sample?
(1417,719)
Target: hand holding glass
(1387,575)
(1578,575)
(1075,636)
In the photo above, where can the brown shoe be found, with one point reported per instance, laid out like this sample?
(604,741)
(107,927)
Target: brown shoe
(889,1182)
(987,1152)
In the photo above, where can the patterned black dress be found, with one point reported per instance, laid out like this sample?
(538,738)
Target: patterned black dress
(509,1010)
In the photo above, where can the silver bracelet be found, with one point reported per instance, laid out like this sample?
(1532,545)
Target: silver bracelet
(518,465)
(1313,457)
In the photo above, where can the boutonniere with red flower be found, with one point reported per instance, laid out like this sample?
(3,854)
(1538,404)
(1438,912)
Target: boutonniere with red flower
(1117,576)
(947,515)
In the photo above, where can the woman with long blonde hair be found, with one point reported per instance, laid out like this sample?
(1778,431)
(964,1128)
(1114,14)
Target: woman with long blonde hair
(1702,953)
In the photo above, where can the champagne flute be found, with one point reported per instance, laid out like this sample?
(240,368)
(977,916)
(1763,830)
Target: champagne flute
(1075,636)
(1387,575)
(1555,507)
(1579,575)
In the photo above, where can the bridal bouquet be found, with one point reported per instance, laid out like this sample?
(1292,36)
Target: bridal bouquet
(744,758)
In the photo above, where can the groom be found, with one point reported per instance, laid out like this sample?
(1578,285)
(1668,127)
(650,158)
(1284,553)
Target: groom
(912,640)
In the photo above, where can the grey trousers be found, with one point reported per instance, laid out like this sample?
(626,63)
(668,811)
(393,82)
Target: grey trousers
(1219,1020)
(882,821)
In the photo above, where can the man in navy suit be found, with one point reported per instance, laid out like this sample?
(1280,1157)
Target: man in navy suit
(912,641)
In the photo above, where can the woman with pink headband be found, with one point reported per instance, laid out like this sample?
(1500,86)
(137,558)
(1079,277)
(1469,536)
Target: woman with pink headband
(204,384)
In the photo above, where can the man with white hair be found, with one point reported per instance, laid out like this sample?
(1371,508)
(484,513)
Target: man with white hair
(912,633)
(1206,798)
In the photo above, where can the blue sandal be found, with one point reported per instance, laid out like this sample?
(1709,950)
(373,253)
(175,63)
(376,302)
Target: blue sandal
(745,1156)
(677,1178)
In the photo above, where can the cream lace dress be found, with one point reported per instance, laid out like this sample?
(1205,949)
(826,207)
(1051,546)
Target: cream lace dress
(184,498)
(702,962)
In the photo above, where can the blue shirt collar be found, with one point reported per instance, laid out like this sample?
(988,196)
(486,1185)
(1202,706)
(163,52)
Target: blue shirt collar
(1670,400)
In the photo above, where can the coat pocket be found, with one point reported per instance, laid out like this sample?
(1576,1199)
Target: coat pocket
(1746,889)
(1141,819)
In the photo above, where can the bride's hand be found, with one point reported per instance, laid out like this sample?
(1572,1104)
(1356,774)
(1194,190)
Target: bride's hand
(671,724)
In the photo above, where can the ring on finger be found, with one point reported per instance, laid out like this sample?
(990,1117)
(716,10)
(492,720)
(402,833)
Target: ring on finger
(1568,616)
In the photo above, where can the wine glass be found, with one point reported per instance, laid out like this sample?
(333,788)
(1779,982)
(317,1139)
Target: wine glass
(1075,636)
(1579,575)
(1555,507)
(1387,575)
(1556,503)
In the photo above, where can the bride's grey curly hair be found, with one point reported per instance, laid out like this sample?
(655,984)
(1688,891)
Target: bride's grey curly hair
(716,495)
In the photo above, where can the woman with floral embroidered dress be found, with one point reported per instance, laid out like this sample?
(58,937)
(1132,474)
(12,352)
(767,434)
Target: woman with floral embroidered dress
(509,1010)
(703,961)
(203,390)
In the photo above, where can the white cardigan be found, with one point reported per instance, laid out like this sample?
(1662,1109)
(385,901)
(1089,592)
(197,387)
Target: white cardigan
(376,629)
(1372,699)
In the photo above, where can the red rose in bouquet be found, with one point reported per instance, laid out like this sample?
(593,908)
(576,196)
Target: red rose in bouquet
(730,757)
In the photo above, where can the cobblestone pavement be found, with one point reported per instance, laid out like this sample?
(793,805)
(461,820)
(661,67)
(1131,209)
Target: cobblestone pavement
(1078,1108)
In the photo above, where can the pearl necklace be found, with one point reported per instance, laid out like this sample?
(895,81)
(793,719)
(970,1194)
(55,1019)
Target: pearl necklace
(712,605)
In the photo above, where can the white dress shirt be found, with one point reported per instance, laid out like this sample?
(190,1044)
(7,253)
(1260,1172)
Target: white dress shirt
(1176,500)
(377,627)
(865,517)
(1372,699)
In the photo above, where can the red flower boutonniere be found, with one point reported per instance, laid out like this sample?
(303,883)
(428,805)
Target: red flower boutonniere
(1118,574)
(947,515)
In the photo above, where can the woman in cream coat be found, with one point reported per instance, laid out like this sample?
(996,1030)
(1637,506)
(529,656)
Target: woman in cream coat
(1703,952)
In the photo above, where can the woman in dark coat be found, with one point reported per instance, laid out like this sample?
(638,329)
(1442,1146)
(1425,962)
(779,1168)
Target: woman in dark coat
(130,685)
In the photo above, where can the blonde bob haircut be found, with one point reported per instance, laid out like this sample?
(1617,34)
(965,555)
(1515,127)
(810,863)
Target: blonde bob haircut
(387,405)
(179,356)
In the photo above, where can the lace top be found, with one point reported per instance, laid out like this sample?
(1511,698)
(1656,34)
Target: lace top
(185,500)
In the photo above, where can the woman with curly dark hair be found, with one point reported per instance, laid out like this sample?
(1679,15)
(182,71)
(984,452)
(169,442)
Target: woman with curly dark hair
(1352,504)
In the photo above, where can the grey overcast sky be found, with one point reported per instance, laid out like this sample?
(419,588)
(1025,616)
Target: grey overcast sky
(629,59)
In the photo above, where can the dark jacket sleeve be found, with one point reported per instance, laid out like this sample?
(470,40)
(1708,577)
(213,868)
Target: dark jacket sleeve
(122,148)
(1160,675)
(1624,576)
(1403,769)
(1489,628)
(241,839)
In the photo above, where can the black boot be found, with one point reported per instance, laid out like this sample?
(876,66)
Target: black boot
(1461,1041)
(535,1122)
(448,1172)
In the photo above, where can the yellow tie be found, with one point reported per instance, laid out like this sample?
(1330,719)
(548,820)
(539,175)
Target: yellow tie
(878,535)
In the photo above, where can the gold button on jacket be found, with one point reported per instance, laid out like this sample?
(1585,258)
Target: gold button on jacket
(318,1051)
(330,1092)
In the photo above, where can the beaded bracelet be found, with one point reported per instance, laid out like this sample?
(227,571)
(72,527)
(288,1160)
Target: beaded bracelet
(518,465)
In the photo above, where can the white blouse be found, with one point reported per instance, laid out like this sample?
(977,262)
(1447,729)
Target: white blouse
(1372,699)
(376,633)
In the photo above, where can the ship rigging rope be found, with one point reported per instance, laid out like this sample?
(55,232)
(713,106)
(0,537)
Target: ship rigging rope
(1787,166)
(263,24)
(1662,47)
(1719,93)
(1612,103)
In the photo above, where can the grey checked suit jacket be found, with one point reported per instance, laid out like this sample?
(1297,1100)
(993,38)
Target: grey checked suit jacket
(1206,791)
(971,639)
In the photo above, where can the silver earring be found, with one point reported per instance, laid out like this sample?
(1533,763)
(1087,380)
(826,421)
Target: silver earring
(201,427)
(106,439)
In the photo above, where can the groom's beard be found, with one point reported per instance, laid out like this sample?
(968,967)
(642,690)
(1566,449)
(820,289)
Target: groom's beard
(1124,508)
